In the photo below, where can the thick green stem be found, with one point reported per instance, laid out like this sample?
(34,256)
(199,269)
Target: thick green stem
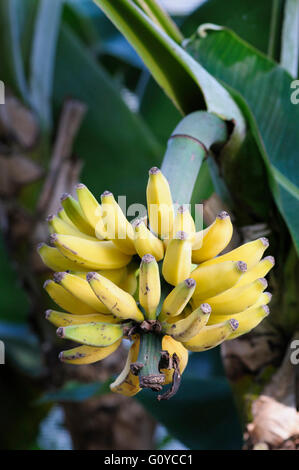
(188,145)
(149,357)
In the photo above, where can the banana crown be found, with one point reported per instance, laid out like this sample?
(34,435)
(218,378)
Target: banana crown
(183,294)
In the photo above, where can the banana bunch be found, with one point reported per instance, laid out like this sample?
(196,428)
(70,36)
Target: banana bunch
(105,294)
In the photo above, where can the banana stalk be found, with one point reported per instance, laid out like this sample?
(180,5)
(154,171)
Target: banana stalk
(148,362)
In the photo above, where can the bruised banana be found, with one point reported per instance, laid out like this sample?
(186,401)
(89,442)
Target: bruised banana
(159,203)
(149,286)
(90,254)
(251,253)
(211,336)
(119,229)
(52,258)
(214,279)
(146,242)
(81,290)
(74,212)
(177,300)
(237,299)
(210,242)
(177,260)
(185,329)
(258,271)
(92,210)
(174,347)
(119,302)
(92,334)
(88,354)
(67,319)
(66,300)
(126,383)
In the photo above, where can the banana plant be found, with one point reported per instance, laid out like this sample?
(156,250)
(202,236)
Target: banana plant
(255,174)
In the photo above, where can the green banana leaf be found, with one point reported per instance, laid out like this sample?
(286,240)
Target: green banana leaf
(184,80)
(258,22)
(117,147)
(43,52)
(262,90)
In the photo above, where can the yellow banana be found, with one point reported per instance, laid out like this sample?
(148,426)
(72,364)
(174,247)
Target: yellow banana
(63,216)
(67,319)
(57,225)
(149,286)
(211,241)
(126,383)
(183,222)
(242,317)
(129,283)
(119,229)
(66,300)
(119,302)
(177,300)
(185,329)
(172,346)
(258,271)
(177,261)
(81,290)
(74,212)
(92,210)
(90,254)
(237,299)
(249,320)
(212,280)
(117,276)
(211,336)
(250,253)
(92,334)
(55,260)
(146,242)
(159,203)
(88,354)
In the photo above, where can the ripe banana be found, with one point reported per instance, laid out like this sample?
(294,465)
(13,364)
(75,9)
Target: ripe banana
(212,280)
(149,286)
(237,299)
(119,302)
(254,313)
(210,242)
(63,216)
(74,212)
(54,259)
(211,336)
(183,222)
(258,271)
(66,300)
(81,290)
(129,282)
(88,354)
(177,300)
(90,254)
(172,346)
(126,383)
(66,319)
(185,329)
(177,261)
(57,225)
(92,334)
(159,203)
(146,242)
(250,253)
(92,210)
(119,229)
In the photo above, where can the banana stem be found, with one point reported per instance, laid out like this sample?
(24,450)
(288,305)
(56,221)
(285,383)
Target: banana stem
(149,357)
(188,145)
